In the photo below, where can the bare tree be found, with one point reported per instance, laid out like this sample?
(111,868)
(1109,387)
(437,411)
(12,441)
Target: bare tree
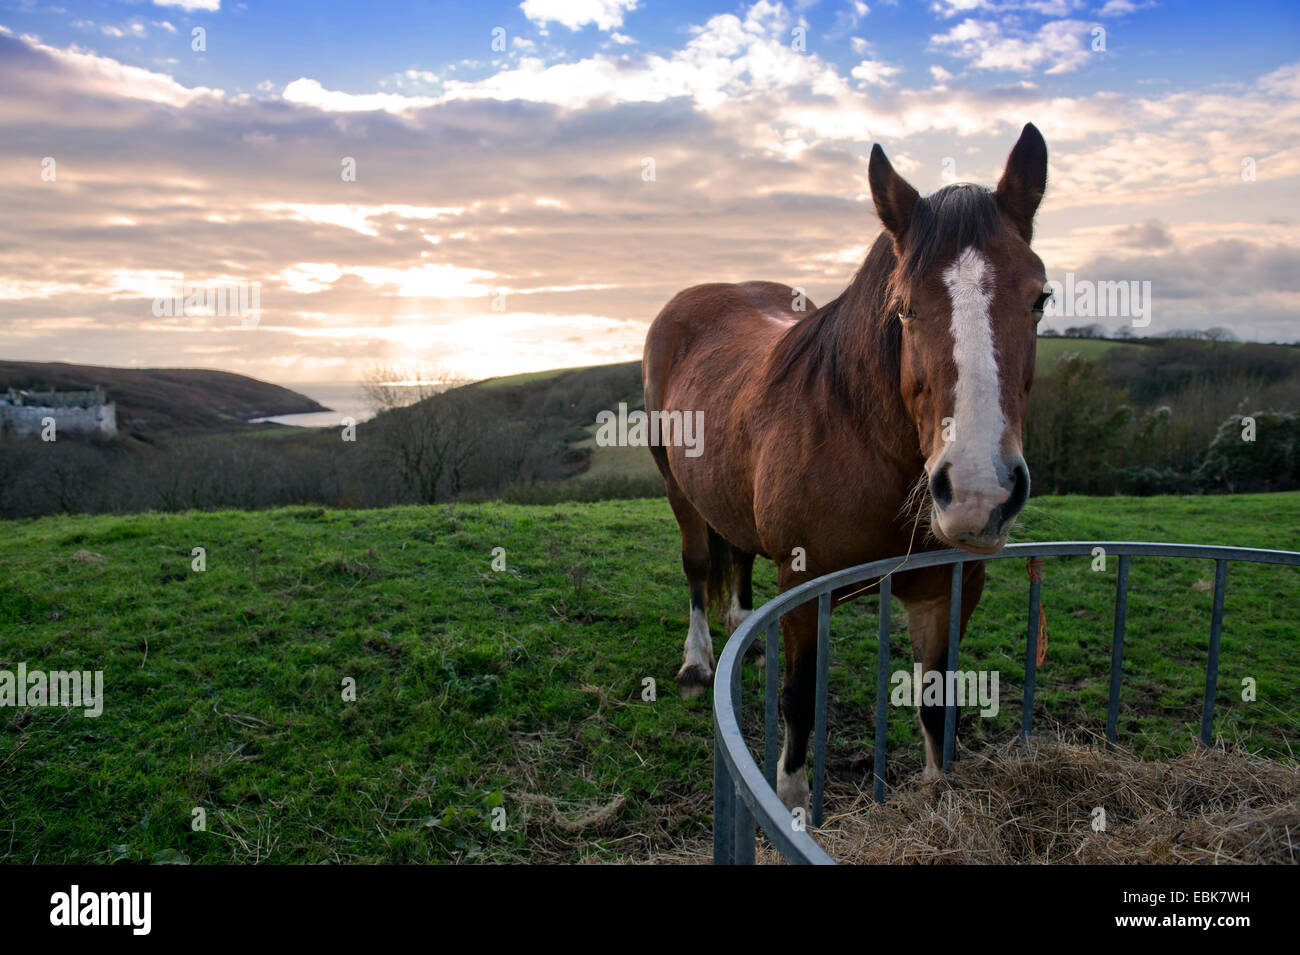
(388,386)
(430,431)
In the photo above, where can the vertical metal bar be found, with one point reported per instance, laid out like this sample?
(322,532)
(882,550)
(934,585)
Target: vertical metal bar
(882,693)
(1117,650)
(1212,665)
(742,843)
(1031,659)
(819,720)
(771,710)
(744,836)
(950,698)
(724,794)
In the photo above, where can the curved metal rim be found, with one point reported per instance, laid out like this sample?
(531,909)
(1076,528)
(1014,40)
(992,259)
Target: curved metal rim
(751,785)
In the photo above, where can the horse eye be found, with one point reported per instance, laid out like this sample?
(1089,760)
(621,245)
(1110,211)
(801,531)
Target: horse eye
(907,315)
(1041,302)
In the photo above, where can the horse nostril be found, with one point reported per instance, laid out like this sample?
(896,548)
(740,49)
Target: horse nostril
(1019,490)
(941,487)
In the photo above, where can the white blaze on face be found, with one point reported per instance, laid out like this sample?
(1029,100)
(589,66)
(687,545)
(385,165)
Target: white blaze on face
(978,422)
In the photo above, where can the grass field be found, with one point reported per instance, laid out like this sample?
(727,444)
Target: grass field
(1051,349)
(521,689)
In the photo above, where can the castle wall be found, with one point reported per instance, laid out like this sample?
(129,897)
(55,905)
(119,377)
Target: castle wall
(25,421)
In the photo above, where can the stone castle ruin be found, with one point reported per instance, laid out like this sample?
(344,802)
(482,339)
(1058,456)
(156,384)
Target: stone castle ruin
(74,412)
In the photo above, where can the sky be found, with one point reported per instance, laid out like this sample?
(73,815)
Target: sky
(505,187)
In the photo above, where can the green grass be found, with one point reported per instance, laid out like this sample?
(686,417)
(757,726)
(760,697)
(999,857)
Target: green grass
(520,688)
(1051,349)
(616,460)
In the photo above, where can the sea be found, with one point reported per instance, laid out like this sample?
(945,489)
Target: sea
(344,399)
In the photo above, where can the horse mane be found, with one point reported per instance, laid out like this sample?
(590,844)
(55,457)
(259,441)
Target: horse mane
(851,345)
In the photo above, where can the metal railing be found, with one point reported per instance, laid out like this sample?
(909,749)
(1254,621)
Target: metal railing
(744,795)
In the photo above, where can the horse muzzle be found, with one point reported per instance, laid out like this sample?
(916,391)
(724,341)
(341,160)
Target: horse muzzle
(975,512)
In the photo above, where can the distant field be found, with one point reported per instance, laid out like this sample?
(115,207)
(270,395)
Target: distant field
(522,688)
(1051,349)
(616,461)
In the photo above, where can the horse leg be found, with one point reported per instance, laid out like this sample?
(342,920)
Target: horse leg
(742,601)
(927,602)
(798,696)
(696,674)
(742,589)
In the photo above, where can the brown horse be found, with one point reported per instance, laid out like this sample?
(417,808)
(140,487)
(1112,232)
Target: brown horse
(829,434)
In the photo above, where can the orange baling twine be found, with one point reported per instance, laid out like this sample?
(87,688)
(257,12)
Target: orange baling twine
(1034,567)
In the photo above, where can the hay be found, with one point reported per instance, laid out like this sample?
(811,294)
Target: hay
(1036,804)
(593,818)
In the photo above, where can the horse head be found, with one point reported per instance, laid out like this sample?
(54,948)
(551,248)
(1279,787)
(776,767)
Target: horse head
(969,292)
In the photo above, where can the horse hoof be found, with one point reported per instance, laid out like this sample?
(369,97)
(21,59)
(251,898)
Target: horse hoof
(694,680)
(930,776)
(757,653)
(793,790)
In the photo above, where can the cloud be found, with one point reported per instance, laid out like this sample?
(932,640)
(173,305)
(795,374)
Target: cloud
(1122,8)
(309,92)
(848,17)
(1060,45)
(1151,234)
(189,6)
(575,14)
(1250,287)
(530,180)
(875,72)
(1049,8)
(49,71)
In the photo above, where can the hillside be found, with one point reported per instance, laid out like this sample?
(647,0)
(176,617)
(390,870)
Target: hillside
(1203,382)
(522,688)
(161,399)
(1156,417)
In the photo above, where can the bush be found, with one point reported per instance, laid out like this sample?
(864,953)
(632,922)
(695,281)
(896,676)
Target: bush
(1144,482)
(1267,460)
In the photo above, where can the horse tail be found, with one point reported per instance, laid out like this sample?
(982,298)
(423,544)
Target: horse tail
(719,580)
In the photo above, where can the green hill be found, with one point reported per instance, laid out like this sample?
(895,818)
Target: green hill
(1204,382)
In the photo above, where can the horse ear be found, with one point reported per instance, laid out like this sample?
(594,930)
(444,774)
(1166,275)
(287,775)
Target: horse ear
(1024,181)
(890,192)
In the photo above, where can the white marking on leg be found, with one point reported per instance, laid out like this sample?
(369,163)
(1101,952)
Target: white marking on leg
(933,766)
(792,787)
(699,642)
(736,615)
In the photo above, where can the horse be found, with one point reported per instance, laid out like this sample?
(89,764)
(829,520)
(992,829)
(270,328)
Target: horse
(831,432)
